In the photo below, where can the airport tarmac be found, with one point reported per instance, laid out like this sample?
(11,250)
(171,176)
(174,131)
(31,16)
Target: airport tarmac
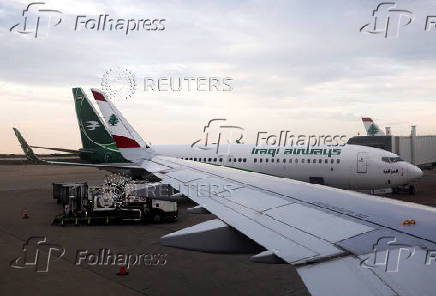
(425,190)
(29,187)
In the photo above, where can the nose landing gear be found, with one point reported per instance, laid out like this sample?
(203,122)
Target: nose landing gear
(409,189)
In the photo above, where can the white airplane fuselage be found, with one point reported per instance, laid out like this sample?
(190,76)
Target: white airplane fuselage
(345,167)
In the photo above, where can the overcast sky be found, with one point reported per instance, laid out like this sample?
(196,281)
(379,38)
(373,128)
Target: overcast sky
(302,66)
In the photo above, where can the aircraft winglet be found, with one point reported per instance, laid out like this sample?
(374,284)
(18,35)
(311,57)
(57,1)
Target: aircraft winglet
(26,148)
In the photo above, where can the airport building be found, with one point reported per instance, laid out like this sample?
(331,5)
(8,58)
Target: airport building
(419,150)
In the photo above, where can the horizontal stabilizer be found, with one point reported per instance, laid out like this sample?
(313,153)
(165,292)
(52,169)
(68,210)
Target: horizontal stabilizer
(211,236)
(72,151)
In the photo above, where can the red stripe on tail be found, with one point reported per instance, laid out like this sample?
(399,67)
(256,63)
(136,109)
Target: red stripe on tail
(98,96)
(124,142)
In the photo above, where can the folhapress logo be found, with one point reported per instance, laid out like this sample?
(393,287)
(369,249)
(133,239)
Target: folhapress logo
(38,254)
(37,19)
(388,254)
(214,135)
(387,20)
(104,22)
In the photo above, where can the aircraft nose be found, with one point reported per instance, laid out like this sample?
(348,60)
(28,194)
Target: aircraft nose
(414,172)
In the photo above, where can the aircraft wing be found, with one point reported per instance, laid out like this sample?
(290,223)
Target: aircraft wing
(342,242)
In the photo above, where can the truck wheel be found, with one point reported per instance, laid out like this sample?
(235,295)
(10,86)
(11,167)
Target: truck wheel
(157,218)
(412,190)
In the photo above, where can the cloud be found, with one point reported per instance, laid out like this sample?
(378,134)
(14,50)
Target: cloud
(295,64)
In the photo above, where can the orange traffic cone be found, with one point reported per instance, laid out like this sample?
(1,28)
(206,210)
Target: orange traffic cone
(25,214)
(123,271)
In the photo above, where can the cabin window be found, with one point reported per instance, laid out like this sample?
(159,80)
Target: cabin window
(214,160)
(284,160)
(326,161)
(260,159)
(239,159)
(320,161)
(391,159)
(332,161)
(244,160)
(302,161)
(190,158)
(338,160)
(266,159)
(272,160)
(230,160)
(221,160)
(255,160)
(234,159)
(308,161)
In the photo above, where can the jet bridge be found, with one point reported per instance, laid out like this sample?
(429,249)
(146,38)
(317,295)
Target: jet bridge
(418,150)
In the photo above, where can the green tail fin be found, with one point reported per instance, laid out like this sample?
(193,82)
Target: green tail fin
(26,148)
(92,130)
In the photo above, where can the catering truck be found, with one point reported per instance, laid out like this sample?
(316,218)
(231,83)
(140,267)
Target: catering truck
(114,203)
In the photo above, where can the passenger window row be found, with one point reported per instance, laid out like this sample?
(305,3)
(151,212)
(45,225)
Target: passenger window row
(284,160)
(260,160)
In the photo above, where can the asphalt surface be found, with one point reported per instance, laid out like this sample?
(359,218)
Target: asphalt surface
(426,190)
(28,187)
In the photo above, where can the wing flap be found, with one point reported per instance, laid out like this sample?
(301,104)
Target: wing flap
(318,223)
(343,276)
(246,209)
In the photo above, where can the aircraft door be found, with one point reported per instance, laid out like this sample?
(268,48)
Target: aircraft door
(362,162)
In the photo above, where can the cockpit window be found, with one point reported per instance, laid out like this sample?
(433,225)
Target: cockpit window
(391,159)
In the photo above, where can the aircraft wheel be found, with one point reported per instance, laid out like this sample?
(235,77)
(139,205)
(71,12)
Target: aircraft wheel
(157,218)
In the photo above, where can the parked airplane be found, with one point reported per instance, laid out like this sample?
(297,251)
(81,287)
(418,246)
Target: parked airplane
(342,242)
(372,129)
(347,167)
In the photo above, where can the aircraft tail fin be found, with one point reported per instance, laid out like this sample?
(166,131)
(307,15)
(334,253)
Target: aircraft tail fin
(26,148)
(128,141)
(372,129)
(93,132)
